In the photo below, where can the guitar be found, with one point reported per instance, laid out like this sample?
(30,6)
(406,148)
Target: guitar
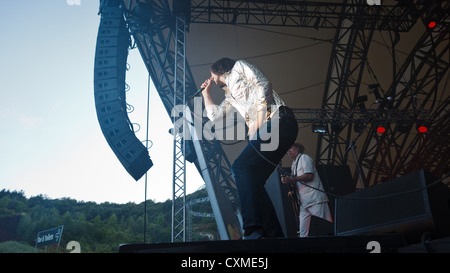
(292,192)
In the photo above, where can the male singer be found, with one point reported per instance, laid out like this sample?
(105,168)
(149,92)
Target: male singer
(249,91)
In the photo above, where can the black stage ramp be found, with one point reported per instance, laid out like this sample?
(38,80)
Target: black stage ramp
(324,244)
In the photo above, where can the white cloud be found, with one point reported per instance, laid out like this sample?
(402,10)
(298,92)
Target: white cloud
(13,115)
(30,121)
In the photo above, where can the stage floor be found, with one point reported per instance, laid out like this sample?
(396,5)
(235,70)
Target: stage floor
(321,244)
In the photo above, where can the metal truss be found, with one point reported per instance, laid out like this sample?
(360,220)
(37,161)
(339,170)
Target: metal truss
(345,71)
(352,116)
(190,212)
(402,151)
(179,142)
(382,156)
(314,14)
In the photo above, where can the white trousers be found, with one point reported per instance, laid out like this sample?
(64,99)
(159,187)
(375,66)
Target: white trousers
(319,210)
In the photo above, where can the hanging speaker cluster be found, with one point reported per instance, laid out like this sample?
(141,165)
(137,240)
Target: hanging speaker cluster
(111,55)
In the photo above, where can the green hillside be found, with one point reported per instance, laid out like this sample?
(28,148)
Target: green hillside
(97,227)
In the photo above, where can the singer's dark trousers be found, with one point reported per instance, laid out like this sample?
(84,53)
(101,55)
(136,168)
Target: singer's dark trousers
(251,170)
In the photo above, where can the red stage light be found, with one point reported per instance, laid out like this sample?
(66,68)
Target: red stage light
(422,129)
(381,129)
(431,24)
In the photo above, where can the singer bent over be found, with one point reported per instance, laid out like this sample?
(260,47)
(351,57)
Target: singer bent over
(249,91)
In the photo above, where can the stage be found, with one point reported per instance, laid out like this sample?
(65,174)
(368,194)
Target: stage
(395,243)
(322,244)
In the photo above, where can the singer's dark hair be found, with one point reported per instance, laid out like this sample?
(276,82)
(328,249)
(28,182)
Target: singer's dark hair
(222,66)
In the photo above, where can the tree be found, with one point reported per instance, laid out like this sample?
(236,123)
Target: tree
(97,227)
(4,201)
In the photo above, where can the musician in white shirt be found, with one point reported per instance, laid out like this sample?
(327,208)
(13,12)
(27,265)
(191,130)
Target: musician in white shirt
(313,200)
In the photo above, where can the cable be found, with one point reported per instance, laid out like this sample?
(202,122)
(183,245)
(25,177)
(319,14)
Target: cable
(232,143)
(268,54)
(146,145)
(301,89)
(283,51)
(287,34)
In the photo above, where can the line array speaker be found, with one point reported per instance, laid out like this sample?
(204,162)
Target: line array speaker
(111,55)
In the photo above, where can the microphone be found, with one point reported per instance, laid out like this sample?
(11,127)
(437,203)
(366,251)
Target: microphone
(197,92)
(201,89)
(382,100)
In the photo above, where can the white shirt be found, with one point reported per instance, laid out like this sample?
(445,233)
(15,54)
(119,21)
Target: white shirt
(308,196)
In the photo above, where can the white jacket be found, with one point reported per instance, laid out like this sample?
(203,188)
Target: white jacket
(250,92)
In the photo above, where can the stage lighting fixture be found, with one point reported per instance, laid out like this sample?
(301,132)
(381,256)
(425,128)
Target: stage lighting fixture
(373,88)
(381,128)
(422,126)
(422,129)
(360,102)
(319,128)
(336,127)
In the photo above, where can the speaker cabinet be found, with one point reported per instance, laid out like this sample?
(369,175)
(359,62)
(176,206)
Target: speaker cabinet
(320,227)
(411,205)
(278,194)
(109,90)
(336,180)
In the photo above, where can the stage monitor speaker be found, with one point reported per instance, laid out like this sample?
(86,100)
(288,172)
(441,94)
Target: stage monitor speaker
(111,55)
(320,227)
(278,194)
(411,205)
(336,180)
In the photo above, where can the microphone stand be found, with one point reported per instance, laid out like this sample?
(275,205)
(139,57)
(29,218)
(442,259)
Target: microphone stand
(352,146)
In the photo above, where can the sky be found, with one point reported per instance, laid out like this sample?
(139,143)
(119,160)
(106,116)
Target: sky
(52,144)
